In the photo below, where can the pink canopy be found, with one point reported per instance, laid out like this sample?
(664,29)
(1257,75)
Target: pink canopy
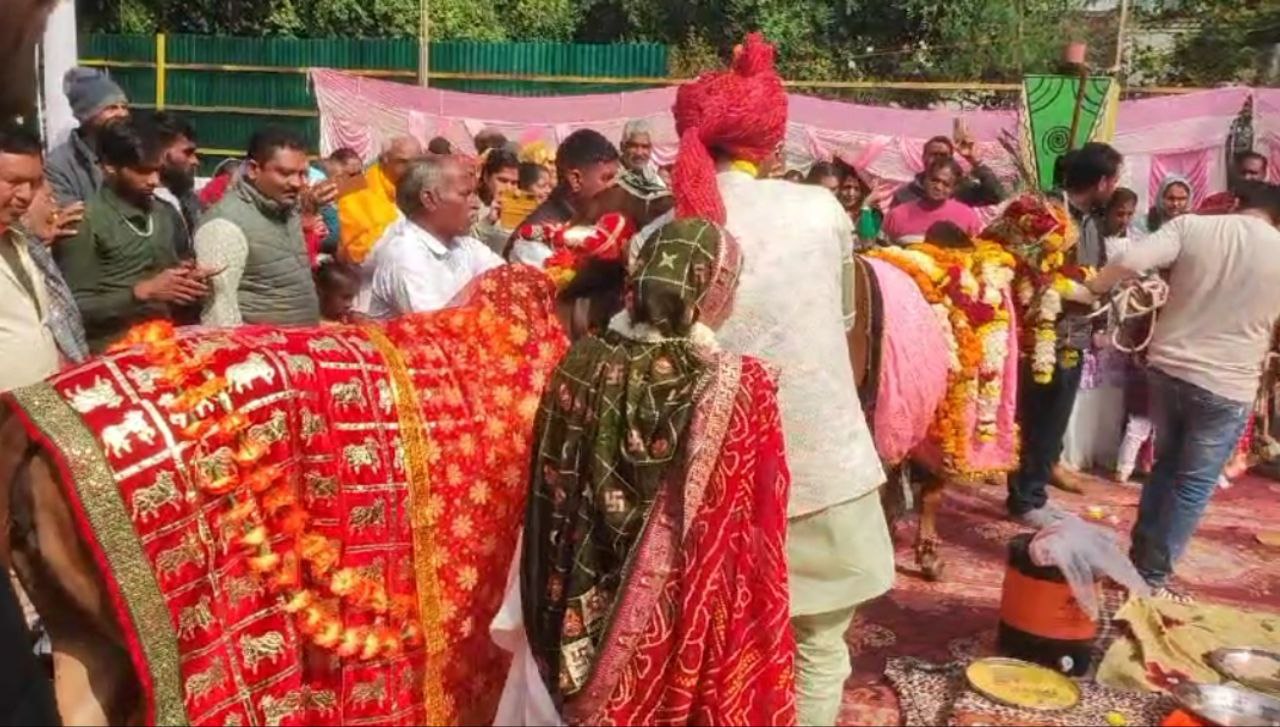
(1186,134)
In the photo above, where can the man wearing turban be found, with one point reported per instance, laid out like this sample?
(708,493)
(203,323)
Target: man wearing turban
(797,246)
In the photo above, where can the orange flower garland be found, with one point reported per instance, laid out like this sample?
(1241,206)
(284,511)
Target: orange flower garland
(260,502)
(965,288)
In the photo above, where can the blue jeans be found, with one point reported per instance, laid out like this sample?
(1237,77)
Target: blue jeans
(1044,411)
(1196,432)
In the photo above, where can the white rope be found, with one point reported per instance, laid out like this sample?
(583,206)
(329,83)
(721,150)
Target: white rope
(1131,300)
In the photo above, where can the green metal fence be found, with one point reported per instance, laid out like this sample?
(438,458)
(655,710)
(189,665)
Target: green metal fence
(229,86)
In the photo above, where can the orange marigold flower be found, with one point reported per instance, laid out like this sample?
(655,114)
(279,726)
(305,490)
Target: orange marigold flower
(264,563)
(301,600)
(344,581)
(329,634)
(255,538)
(352,642)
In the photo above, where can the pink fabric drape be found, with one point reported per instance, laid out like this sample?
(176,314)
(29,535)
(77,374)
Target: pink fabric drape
(1185,133)
(913,365)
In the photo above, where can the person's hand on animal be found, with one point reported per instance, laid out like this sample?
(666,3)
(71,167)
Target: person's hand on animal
(175,285)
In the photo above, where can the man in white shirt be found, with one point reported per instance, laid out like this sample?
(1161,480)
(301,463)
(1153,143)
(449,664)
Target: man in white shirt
(27,346)
(425,259)
(1205,359)
(789,311)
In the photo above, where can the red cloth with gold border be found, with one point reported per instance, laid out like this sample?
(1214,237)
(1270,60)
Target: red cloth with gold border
(328,403)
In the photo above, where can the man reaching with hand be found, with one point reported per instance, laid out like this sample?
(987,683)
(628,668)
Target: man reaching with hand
(121,265)
(979,188)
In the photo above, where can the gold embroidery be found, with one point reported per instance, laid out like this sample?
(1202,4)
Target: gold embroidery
(199,685)
(366,693)
(194,618)
(365,347)
(188,552)
(276,710)
(220,464)
(325,345)
(145,379)
(257,649)
(211,345)
(348,393)
(312,424)
(320,487)
(147,502)
(324,700)
(300,365)
(240,588)
(107,514)
(116,437)
(271,431)
(275,338)
(373,571)
(88,398)
(232,720)
(398,447)
(407,677)
(418,449)
(362,455)
(384,396)
(242,376)
(367,516)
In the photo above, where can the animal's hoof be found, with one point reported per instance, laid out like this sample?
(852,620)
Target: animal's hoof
(931,564)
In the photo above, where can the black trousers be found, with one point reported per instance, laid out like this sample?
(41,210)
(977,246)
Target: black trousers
(1044,410)
(26,691)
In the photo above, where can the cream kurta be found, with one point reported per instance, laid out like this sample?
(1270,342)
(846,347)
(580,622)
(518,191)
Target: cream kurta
(788,311)
(27,347)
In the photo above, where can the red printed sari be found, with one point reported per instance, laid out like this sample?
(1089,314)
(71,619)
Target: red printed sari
(701,634)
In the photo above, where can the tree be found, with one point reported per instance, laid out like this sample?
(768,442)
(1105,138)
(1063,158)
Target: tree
(1207,43)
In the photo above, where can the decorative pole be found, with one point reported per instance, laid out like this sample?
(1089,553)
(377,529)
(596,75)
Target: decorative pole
(424,42)
(1075,56)
(1124,19)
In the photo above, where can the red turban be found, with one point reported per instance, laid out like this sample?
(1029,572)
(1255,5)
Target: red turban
(741,111)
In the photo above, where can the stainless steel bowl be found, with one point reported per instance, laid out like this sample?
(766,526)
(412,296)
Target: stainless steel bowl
(1229,706)
(1256,669)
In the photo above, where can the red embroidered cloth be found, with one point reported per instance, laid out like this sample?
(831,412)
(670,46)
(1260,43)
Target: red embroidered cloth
(211,644)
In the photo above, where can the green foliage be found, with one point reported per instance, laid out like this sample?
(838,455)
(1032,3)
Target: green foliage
(1207,43)
(952,40)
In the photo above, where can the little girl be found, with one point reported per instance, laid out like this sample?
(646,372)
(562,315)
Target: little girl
(337,284)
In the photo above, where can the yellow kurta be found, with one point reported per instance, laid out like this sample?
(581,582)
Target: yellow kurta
(363,216)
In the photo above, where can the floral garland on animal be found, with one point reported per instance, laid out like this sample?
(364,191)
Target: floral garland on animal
(572,245)
(966,290)
(259,501)
(1039,233)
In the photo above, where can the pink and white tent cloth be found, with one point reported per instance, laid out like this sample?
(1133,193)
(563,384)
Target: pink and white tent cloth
(1266,128)
(1185,134)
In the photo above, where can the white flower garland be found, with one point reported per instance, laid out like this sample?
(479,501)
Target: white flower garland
(700,335)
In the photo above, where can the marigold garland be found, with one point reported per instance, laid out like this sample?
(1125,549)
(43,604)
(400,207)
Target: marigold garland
(1039,233)
(966,290)
(260,502)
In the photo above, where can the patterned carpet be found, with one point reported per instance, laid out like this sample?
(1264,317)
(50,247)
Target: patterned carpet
(957,617)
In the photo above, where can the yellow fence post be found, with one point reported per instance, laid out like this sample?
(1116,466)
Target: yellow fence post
(161,42)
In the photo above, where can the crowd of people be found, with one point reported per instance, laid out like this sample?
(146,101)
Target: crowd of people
(108,230)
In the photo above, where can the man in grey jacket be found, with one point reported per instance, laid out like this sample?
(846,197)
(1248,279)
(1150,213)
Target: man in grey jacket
(72,166)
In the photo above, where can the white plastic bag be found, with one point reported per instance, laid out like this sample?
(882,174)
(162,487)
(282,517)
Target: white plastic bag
(1084,552)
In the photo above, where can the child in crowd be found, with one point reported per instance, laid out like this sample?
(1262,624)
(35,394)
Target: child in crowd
(338,284)
(535,180)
